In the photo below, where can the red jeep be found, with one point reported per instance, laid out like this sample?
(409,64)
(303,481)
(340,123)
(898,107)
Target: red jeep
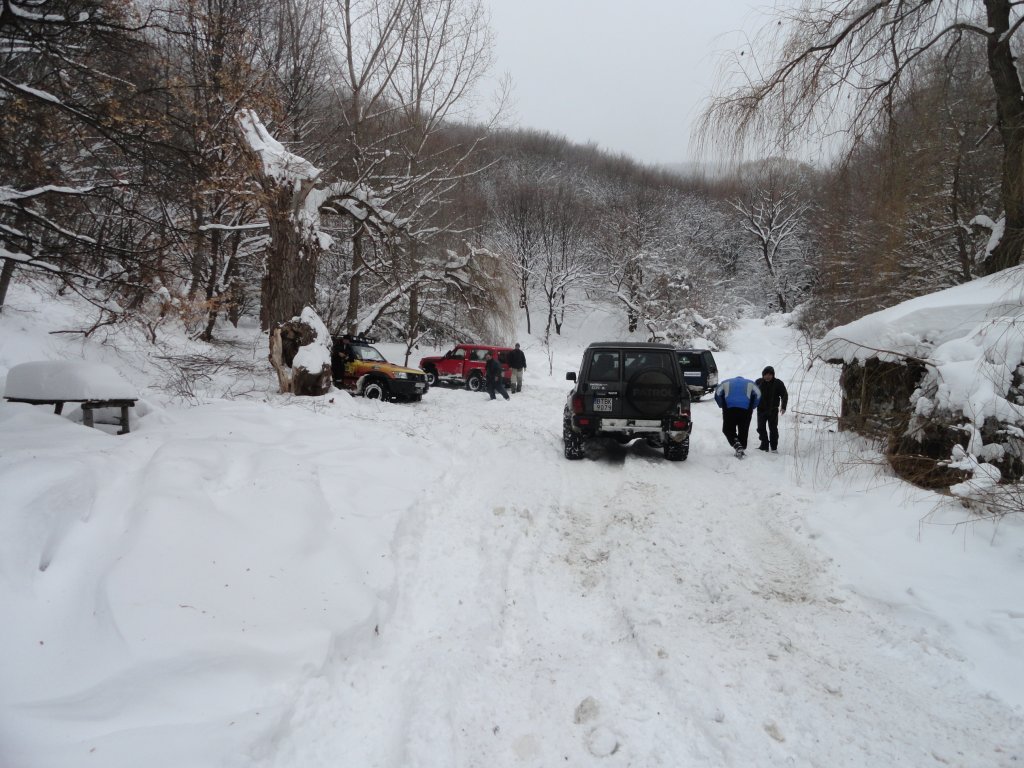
(465,365)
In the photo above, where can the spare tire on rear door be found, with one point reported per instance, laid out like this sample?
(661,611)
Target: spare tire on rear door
(652,392)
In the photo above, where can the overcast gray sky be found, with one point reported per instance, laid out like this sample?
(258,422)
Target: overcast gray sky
(630,75)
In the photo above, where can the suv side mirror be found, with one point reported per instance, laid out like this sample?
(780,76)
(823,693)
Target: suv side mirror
(449,353)
(570,376)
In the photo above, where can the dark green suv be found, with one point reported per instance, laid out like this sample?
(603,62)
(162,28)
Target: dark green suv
(628,391)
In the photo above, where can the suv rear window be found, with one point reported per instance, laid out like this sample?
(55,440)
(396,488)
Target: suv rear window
(605,366)
(638,359)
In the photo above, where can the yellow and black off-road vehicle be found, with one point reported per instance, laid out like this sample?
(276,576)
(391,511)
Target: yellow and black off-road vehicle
(357,366)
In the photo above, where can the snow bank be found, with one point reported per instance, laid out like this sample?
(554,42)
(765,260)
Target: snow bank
(970,340)
(969,337)
(922,327)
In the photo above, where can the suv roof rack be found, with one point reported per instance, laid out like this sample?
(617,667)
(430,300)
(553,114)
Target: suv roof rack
(359,339)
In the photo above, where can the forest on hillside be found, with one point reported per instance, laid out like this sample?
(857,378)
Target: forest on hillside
(126,178)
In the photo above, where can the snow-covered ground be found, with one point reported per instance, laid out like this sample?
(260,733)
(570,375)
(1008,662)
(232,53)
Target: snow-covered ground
(278,583)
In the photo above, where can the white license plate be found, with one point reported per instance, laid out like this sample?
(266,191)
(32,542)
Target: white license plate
(603,404)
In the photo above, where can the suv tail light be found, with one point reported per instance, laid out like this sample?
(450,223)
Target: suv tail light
(577,404)
(681,420)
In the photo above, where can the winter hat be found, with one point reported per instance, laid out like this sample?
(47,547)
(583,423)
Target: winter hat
(768,369)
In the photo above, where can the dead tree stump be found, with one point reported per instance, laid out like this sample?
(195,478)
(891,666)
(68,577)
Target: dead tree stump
(286,341)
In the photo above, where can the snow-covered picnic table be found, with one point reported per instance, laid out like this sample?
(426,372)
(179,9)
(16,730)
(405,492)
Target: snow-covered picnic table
(56,382)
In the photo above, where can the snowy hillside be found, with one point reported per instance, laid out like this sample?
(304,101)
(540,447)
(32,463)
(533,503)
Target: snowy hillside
(270,582)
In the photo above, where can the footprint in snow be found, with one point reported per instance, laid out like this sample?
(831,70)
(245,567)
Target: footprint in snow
(602,742)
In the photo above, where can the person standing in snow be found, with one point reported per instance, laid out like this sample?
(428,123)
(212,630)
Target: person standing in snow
(494,382)
(737,397)
(517,363)
(774,399)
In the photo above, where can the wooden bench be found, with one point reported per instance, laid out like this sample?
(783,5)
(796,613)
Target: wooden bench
(88,406)
(56,382)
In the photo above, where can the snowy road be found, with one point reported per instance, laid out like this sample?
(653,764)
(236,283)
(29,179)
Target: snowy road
(624,607)
(349,583)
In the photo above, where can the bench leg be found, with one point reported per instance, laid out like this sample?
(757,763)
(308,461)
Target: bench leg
(125,427)
(87,415)
(57,408)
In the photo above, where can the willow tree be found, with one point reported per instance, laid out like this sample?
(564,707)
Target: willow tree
(844,65)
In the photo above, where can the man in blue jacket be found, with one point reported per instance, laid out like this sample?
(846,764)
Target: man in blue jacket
(737,397)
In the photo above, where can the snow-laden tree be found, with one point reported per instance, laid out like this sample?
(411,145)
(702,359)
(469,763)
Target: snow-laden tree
(210,62)
(75,91)
(515,231)
(567,265)
(773,213)
(405,71)
(293,195)
(637,239)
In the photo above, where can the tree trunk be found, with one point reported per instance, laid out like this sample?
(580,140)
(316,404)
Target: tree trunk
(5,280)
(292,260)
(285,341)
(1010,119)
(212,280)
(352,311)
(413,322)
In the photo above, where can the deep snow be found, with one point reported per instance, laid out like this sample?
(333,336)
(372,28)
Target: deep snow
(279,583)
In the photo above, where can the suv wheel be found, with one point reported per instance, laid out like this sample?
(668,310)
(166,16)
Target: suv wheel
(475,382)
(375,390)
(431,376)
(677,451)
(573,441)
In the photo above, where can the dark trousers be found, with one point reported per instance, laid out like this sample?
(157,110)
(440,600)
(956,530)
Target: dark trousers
(768,429)
(736,425)
(496,386)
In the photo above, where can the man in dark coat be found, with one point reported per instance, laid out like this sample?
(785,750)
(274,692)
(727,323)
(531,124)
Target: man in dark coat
(774,399)
(517,363)
(494,378)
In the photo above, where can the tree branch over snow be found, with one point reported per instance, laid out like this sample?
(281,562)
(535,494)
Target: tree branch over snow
(839,68)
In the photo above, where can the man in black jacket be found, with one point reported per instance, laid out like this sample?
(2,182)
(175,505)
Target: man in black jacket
(517,363)
(494,377)
(774,399)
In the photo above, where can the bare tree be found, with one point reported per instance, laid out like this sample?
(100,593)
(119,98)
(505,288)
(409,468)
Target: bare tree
(447,49)
(843,65)
(636,236)
(567,263)
(773,216)
(516,232)
(370,35)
